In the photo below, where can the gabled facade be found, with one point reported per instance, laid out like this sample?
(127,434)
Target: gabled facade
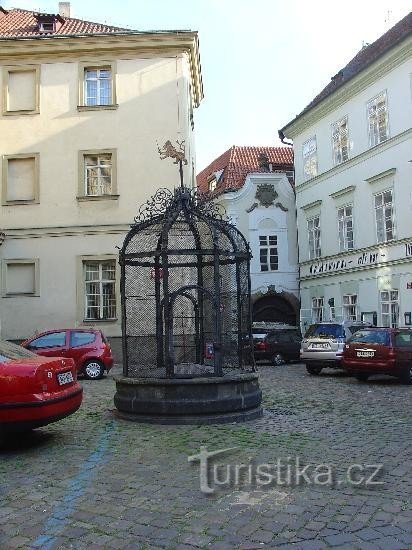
(255,186)
(84,107)
(353,169)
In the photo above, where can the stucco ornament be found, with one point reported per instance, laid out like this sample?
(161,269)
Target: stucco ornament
(266,195)
(168,150)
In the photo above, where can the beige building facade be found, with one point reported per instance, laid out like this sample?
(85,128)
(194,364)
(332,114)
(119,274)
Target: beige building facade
(81,119)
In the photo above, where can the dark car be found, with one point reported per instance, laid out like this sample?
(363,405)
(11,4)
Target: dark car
(35,391)
(379,351)
(88,348)
(279,346)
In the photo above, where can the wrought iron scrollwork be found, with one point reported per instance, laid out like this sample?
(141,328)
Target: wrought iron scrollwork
(156,206)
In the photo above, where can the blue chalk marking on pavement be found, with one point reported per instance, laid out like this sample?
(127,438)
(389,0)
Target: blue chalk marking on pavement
(57,521)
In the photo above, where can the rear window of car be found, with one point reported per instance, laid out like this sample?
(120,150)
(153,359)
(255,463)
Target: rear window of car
(81,338)
(380,337)
(325,331)
(10,352)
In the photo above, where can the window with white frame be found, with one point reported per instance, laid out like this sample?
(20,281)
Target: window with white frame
(98,174)
(390,308)
(378,119)
(100,289)
(98,86)
(317,310)
(350,304)
(268,250)
(384,215)
(314,237)
(310,158)
(340,141)
(345,226)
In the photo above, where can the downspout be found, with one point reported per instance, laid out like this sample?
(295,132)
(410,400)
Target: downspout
(282,139)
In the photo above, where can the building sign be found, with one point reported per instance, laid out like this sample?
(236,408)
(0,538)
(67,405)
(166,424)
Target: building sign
(367,258)
(350,261)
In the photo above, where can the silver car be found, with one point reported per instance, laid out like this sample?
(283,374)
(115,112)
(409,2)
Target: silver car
(323,343)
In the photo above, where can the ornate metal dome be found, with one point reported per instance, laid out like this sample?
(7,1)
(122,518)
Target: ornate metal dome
(185,288)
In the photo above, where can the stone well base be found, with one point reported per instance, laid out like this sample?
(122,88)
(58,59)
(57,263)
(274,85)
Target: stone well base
(211,400)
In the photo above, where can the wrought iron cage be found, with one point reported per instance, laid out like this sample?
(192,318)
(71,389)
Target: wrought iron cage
(185,289)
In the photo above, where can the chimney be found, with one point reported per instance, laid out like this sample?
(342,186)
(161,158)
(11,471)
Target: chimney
(64,9)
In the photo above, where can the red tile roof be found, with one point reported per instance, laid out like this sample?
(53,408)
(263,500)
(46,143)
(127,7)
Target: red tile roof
(237,162)
(17,23)
(365,57)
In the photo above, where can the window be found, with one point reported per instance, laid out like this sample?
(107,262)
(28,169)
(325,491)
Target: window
(317,310)
(268,247)
(98,174)
(340,141)
(310,158)
(97,178)
(390,308)
(21,89)
(20,179)
(212,183)
(385,230)
(378,119)
(314,237)
(52,340)
(81,338)
(350,307)
(100,290)
(345,225)
(97,86)
(21,278)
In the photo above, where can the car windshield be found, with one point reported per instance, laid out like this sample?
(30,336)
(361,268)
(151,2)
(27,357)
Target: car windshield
(325,331)
(370,337)
(11,352)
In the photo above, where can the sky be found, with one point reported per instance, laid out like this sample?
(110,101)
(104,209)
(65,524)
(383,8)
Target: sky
(262,61)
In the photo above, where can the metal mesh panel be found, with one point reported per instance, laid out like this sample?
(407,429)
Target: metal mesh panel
(185,291)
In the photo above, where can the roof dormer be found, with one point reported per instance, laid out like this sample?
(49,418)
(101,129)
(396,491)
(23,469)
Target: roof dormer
(48,23)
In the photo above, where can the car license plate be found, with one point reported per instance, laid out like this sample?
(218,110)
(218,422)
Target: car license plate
(320,345)
(365,354)
(65,378)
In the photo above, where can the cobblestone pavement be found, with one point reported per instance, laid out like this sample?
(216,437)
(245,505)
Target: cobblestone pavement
(91,481)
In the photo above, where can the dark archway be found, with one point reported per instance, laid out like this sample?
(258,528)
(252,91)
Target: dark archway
(274,309)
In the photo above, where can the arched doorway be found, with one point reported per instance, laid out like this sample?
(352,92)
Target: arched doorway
(275,309)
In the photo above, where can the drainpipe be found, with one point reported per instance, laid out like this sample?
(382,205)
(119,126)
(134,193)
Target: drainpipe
(282,138)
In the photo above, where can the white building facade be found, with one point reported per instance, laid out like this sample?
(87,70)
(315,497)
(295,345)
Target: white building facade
(81,119)
(263,209)
(353,173)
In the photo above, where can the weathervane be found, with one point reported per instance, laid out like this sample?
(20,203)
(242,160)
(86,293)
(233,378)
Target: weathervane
(179,155)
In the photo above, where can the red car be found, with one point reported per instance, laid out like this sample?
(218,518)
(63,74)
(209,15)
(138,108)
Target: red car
(379,351)
(35,391)
(88,348)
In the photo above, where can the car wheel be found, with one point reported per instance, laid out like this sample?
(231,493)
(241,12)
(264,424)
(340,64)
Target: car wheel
(362,377)
(93,370)
(313,370)
(407,376)
(278,360)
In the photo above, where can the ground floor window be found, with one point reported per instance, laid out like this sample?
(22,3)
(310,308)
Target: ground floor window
(100,289)
(317,310)
(350,307)
(390,308)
